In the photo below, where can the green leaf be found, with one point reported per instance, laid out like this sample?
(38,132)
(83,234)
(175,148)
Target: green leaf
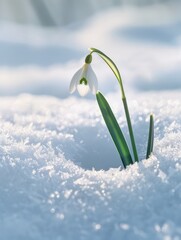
(114,130)
(150,137)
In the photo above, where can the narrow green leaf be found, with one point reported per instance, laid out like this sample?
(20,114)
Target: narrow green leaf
(150,137)
(114,130)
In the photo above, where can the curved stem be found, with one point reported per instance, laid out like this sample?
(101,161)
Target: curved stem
(116,72)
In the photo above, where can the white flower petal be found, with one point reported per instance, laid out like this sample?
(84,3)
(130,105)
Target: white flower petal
(85,69)
(82,89)
(76,77)
(92,80)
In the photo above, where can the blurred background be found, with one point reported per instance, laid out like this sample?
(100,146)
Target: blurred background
(42,44)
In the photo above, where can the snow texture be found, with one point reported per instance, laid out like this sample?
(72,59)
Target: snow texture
(49,190)
(60,175)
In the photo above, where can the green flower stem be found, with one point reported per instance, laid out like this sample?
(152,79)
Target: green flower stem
(130,129)
(116,72)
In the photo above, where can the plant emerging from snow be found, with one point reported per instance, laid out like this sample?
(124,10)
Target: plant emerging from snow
(84,80)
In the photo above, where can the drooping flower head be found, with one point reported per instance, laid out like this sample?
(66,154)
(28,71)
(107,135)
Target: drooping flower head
(84,79)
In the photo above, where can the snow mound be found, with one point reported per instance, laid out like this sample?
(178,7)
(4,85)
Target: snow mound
(61,177)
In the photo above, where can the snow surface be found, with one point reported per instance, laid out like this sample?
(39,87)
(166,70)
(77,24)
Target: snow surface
(61,176)
(49,190)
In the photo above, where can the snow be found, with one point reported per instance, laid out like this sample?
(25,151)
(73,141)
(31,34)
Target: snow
(61,176)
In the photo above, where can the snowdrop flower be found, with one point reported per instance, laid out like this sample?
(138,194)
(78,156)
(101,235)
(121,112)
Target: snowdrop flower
(84,79)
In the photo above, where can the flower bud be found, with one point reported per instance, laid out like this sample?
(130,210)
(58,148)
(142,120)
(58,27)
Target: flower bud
(88,59)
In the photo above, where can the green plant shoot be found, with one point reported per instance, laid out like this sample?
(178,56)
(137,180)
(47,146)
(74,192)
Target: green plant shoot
(150,137)
(114,130)
(85,80)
